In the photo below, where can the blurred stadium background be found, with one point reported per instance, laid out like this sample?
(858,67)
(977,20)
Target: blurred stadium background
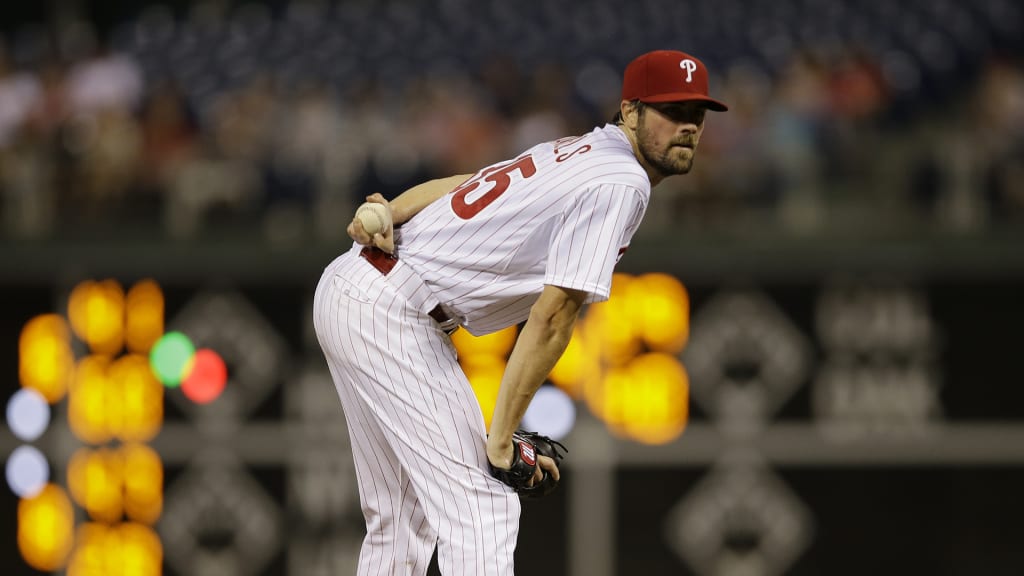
(810,364)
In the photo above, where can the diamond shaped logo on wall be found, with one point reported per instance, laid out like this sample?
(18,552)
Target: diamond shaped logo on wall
(745,357)
(228,323)
(741,519)
(218,521)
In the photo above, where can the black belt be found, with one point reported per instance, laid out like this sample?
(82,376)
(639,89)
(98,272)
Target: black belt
(384,262)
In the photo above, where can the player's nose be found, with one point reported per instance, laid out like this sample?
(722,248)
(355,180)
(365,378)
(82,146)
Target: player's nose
(685,136)
(686,127)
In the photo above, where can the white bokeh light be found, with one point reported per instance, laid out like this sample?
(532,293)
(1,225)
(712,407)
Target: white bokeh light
(551,413)
(27,471)
(28,414)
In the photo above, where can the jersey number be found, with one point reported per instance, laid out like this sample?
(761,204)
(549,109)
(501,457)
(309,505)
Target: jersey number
(499,177)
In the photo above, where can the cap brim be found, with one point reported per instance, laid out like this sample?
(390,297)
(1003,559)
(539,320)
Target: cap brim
(687,97)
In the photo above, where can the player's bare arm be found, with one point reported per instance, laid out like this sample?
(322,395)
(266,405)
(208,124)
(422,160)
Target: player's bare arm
(541,343)
(402,208)
(410,202)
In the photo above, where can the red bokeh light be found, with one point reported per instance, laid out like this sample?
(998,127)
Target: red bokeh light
(207,379)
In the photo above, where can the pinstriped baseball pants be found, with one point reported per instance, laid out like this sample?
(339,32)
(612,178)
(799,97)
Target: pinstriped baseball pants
(418,437)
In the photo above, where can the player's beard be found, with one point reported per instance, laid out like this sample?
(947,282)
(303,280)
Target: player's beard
(668,160)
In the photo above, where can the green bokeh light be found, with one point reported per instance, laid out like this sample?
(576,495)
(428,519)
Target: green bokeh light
(171,358)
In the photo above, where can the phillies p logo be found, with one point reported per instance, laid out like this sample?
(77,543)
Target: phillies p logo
(690,66)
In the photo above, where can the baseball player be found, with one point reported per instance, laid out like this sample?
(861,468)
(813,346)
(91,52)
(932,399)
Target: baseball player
(532,239)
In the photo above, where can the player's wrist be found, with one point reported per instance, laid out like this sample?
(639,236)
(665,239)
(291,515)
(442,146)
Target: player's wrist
(398,216)
(500,453)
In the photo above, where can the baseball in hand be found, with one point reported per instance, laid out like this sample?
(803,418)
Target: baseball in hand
(374,217)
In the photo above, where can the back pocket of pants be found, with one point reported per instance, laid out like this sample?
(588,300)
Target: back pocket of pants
(351,290)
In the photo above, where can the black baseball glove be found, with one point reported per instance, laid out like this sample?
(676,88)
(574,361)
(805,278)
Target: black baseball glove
(525,448)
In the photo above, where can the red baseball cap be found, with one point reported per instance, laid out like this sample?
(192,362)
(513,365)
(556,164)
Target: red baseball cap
(668,76)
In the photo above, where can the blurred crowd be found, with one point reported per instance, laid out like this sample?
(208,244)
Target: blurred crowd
(106,132)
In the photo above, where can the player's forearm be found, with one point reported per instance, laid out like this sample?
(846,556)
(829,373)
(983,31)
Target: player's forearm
(536,352)
(543,340)
(410,202)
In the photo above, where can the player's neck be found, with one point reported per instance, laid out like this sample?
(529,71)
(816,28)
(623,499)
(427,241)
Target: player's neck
(653,174)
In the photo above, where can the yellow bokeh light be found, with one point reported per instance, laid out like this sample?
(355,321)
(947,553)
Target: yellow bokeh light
(577,365)
(483,349)
(96,481)
(599,393)
(46,528)
(45,359)
(96,311)
(662,308)
(90,555)
(93,410)
(483,360)
(651,401)
(143,483)
(141,551)
(612,328)
(141,399)
(144,316)
(485,377)
(109,483)
(121,549)
(119,399)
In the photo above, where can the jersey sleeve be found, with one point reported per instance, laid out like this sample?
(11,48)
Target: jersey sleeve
(596,228)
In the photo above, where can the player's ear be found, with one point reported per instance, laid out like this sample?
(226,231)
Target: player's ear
(630,113)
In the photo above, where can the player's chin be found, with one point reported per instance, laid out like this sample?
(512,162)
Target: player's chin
(678,160)
(676,168)
(684,158)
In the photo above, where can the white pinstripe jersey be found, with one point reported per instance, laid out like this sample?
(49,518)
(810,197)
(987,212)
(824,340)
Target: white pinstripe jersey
(561,213)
